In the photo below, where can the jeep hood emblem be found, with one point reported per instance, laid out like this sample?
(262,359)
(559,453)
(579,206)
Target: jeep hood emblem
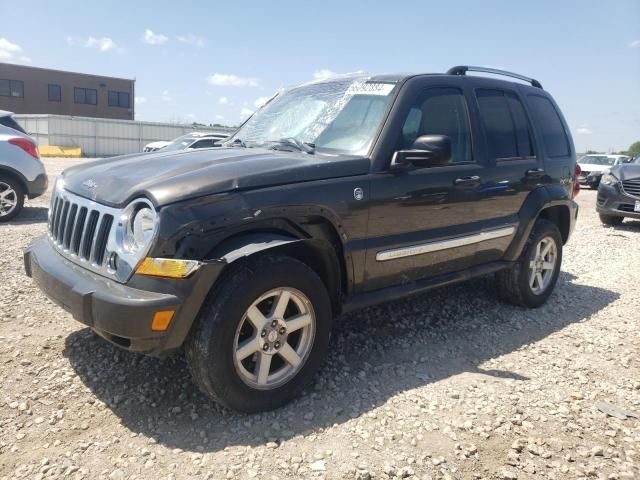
(89,184)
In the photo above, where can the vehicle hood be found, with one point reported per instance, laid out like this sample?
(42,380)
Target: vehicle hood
(629,171)
(168,177)
(589,167)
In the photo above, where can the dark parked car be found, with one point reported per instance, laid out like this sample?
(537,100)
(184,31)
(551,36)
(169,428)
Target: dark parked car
(334,196)
(619,193)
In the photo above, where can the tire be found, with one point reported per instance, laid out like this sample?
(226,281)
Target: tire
(514,284)
(611,220)
(16,197)
(225,319)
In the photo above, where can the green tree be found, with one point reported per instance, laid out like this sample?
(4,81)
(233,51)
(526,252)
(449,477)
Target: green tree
(634,149)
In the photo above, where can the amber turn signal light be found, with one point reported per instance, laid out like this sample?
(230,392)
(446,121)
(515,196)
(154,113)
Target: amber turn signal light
(167,267)
(162,320)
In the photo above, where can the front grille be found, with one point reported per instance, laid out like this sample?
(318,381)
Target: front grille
(80,229)
(631,187)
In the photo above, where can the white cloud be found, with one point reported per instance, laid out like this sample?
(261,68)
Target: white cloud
(191,39)
(219,117)
(11,51)
(223,100)
(323,73)
(140,100)
(260,101)
(246,112)
(634,44)
(102,44)
(229,80)
(191,116)
(166,96)
(154,38)
(584,131)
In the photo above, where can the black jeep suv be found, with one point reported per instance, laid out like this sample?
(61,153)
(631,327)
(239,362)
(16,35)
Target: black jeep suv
(335,195)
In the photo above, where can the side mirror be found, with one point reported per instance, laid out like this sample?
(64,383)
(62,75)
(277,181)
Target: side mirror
(426,151)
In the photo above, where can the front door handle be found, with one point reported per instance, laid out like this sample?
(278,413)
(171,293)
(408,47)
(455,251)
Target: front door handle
(467,181)
(535,173)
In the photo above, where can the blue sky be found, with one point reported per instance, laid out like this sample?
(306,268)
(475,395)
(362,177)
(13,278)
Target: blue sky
(213,62)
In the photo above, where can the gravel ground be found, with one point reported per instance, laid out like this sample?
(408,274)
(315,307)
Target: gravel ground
(451,385)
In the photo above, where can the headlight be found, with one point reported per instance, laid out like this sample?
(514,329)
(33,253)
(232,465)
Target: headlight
(609,179)
(139,227)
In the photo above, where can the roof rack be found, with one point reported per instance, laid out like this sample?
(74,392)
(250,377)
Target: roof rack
(463,69)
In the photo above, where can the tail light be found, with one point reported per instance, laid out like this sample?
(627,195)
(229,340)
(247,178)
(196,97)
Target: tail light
(576,184)
(25,145)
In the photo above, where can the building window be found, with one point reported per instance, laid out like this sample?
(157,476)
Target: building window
(87,96)
(12,88)
(55,93)
(119,99)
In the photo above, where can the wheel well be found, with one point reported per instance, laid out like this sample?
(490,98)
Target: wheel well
(16,176)
(560,216)
(323,253)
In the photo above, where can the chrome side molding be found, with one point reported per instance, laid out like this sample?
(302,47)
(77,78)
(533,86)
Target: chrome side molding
(422,248)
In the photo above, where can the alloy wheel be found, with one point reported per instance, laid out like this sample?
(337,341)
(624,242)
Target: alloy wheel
(274,338)
(8,199)
(542,266)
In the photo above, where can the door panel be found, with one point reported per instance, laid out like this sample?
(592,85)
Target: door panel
(420,219)
(420,208)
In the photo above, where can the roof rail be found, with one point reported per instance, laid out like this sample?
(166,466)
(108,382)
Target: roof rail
(463,69)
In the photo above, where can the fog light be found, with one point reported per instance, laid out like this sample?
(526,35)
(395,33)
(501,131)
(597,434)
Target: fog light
(167,267)
(162,320)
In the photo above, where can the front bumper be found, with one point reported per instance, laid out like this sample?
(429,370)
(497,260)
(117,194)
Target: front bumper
(613,201)
(122,314)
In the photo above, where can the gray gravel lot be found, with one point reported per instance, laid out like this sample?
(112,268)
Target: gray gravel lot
(452,384)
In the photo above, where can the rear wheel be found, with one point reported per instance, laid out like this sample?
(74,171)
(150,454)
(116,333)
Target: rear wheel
(262,334)
(11,198)
(611,220)
(531,280)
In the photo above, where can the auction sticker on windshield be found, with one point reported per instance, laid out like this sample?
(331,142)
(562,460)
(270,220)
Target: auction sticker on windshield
(370,89)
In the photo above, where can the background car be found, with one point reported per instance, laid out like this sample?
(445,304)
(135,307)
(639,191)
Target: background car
(594,165)
(195,140)
(21,170)
(153,146)
(619,193)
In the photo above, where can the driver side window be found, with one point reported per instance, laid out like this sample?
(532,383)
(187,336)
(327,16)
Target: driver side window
(440,111)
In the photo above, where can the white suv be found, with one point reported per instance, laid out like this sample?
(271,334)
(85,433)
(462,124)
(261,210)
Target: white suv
(21,170)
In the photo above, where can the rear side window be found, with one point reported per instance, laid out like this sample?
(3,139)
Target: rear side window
(505,124)
(549,124)
(11,123)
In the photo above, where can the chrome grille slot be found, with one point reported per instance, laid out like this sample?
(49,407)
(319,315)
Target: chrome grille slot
(631,187)
(78,231)
(100,243)
(68,229)
(87,240)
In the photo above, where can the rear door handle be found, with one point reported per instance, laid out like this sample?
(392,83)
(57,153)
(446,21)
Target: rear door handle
(535,173)
(467,181)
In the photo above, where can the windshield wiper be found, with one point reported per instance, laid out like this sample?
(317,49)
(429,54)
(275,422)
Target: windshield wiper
(305,147)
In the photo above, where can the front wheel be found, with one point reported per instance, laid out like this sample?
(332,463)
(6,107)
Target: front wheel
(262,334)
(530,281)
